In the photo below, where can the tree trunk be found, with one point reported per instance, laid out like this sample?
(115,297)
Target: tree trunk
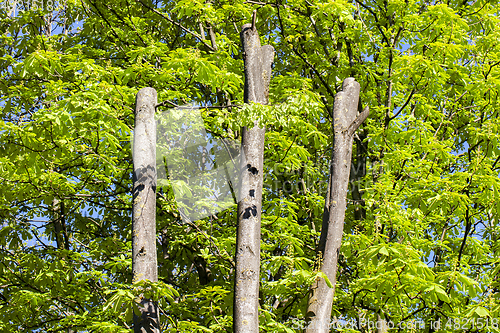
(381,324)
(346,121)
(258,62)
(144,262)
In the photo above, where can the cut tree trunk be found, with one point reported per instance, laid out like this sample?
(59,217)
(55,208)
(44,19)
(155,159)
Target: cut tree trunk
(144,262)
(346,121)
(258,60)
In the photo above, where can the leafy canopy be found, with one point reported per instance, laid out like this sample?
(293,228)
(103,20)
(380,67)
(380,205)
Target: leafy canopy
(422,225)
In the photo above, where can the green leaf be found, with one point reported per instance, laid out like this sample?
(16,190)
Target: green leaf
(383,250)
(482,312)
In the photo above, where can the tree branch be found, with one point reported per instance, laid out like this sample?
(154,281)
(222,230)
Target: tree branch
(358,121)
(180,26)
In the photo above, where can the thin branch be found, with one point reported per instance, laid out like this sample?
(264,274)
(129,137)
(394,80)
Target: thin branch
(286,152)
(180,26)
(327,87)
(221,106)
(165,103)
(322,80)
(209,238)
(376,21)
(404,105)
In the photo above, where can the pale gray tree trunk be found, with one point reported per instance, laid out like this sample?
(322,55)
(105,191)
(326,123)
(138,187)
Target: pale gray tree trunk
(258,60)
(381,324)
(144,262)
(346,121)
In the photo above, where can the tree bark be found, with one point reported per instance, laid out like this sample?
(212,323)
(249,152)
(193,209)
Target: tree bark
(345,123)
(59,220)
(258,62)
(144,262)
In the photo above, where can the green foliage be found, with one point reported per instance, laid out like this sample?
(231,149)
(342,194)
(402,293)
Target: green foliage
(422,227)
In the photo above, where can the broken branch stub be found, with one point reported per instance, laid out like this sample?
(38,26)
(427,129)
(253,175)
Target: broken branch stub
(258,60)
(144,262)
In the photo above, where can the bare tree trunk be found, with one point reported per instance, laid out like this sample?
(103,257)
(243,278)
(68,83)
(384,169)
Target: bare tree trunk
(381,324)
(258,62)
(144,262)
(346,121)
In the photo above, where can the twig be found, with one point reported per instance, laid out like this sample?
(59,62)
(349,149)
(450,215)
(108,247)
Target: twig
(221,106)
(200,107)
(166,102)
(404,105)
(180,26)
(209,238)
(286,152)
